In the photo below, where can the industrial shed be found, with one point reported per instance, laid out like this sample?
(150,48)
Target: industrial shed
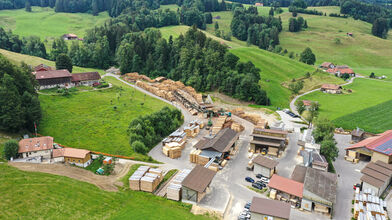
(261,209)
(264,166)
(195,185)
(376,177)
(269,141)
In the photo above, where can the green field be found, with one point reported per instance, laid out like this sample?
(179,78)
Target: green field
(364,52)
(47,24)
(33,195)
(17,58)
(88,120)
(368,106)
(376,119)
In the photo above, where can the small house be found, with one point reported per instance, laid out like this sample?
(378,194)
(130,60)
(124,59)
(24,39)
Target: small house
(265,166)
(285,189)
(36,147)
(327,65)
(85,79)
(261,209)
(74,156)
(70,37)
(53,78)
(331,88)
(357,135)
(108,160)
(196,184)
(307,104)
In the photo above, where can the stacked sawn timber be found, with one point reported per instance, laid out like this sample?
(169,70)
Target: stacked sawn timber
(134,180)
(173,190)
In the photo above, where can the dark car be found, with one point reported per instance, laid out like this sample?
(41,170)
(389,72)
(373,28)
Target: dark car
(247,205)
(257,186)
(258,176)
(248,179)
(261,183)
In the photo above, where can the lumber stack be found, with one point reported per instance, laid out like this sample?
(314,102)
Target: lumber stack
(253,118)
(237,127)
(134,180)
(158,172)
(193,155)
(148,184)
(173,191)
(202,160)
(180,176)
(172,150)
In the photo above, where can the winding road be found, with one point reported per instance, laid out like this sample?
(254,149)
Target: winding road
(292,103)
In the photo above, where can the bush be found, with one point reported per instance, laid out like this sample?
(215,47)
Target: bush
(11,149)
(139,147)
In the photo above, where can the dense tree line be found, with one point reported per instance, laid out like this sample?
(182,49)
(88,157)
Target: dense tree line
(194,59)
(296,24)
(27,45)
(305,11)
(380,17)
(19,104)
(338,15)
(146,131)
(279,3)
(262,31)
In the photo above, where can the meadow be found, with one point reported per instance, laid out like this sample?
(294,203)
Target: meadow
(366,107)
(56,197)
(47,24)
(96,120)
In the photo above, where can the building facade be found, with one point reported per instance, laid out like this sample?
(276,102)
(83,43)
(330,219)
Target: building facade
(36,147)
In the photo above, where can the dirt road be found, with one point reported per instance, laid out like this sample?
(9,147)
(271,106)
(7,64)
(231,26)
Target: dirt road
(108,183)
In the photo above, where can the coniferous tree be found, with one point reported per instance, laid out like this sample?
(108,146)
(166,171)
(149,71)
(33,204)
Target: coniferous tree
(28,6)
(307,56)
(64,62)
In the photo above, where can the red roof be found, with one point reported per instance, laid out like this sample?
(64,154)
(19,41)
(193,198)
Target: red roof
(331,86)
(286,185)
(346,70)
(326,64)
(52,74)
(42,67)
(70,152)
(35,144)
(381,143)
(77,77)
(307,102)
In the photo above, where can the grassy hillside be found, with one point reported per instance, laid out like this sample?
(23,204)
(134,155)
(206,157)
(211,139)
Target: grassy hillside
(367,106)
(17,58)
(32,195)
(363,52)
(89,120)
(47,24)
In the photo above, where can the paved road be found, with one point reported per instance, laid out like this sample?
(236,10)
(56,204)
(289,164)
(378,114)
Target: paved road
(292,103)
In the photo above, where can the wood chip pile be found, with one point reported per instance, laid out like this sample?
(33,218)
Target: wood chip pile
(173,190)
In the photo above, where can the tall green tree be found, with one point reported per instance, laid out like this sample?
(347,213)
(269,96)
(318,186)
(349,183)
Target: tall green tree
(11,149)
(307,56)
(28,6)
(94,6)
(58,47)
(271,12)
(11,115)
(64,62)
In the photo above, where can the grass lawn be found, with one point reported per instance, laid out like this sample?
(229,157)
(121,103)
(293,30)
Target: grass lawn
(316,80)
(17,58)
(33,195)
(125,179)
(47,24)
(364,52)
(359,108)
(88,120)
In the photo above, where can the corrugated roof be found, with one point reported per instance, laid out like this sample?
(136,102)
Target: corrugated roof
(381,143)
(35,144)
(321,183)
(299,173)
(270,207)
(272,131)
(77,77)
(372,181)
(379,168)
(52,74)
(385,165)
(286,185)
(267,136)
(267,143)
(265,162)
(199,178)
(221,142)
(374,174)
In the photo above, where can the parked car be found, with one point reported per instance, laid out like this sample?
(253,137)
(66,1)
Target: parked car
(358,185)
(244,215)
(264,178)
(257,186)
(261,183)
(247,205)
(248,179)
(258,176)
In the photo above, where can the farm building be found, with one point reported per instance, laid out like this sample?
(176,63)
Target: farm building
(42,67)
(285,189)
(70,37)
(374,148)
(331,88)
(261,209)
(268,141)
(219,146)
(196,183)
(327,65)
(78,157)
(312,158)
(319,191)
(85,79)
(307,103)
(36,147)
(264,166)
(53,78)
(299,173)
(376,177)
(357,135)
(258,4)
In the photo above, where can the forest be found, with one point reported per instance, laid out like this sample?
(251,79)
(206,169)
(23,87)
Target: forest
(259,30)
(21,107)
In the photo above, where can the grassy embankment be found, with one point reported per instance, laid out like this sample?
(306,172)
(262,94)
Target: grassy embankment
(367,107)
(34,195)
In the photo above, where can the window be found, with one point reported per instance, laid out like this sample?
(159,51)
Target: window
(79,161)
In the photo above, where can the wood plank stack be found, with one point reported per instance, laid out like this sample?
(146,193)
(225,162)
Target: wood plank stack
(202,160)
(147,184)
(172,150)
(173,191)
(134,180)
(158,172)
(193,155)
(237,127)
(180,176)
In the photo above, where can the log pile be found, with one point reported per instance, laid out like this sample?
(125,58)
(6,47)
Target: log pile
(133,77)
